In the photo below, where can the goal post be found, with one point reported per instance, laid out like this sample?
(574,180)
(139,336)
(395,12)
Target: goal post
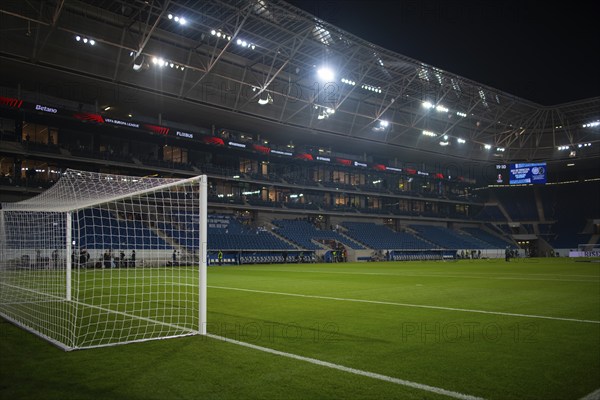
(102,259)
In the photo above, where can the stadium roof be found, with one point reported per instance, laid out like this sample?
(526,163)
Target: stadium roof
(260,60)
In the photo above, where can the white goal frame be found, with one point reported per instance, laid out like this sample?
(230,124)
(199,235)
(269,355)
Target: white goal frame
(49,287)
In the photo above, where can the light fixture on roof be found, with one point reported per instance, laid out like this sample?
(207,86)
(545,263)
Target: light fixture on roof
(85,40)
(461,114)
(161,62)
(487,146)
(441,108)
(176,18)
(592,124)
(326,74)
(444,143)
(428,105)
(325,112)
(461,140)
(500,149)
(348,82)
(245,44)
(561,148)
(429,133)
(266,100)
(382,126)
(371,88)
(220,34)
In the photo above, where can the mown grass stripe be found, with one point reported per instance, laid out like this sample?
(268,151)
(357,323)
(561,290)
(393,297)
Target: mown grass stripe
(389,303)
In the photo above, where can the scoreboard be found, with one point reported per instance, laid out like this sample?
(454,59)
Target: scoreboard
(520,173)
(525,173)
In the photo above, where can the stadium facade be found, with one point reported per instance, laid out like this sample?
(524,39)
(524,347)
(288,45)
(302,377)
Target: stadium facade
(312,138)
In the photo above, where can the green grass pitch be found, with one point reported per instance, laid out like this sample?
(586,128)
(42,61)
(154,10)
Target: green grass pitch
(528,329)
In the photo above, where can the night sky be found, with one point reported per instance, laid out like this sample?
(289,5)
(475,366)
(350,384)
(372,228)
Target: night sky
(542,53)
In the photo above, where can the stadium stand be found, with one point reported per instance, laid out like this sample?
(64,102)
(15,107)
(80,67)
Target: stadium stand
(448,238)
(379,237)
(303,233)
(493,241)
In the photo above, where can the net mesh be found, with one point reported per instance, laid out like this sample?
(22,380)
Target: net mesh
(103,259)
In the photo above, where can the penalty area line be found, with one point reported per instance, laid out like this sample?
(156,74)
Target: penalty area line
(327,364)
(390,303)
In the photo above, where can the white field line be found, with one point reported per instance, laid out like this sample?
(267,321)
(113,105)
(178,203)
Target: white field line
(397,381)
(595,395)
(426,275)
(389,303)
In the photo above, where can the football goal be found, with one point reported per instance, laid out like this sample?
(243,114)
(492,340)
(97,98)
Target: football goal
(101,259)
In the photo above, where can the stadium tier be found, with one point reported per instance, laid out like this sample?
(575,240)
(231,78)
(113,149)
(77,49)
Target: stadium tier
(448,238)
(492,241)
(381,238)
(303,233)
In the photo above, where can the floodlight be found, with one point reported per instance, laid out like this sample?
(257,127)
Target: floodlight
(265,101)
(326,74)
(383,123)
(138,63)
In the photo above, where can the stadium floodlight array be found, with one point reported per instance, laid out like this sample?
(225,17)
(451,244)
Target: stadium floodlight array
(101,259)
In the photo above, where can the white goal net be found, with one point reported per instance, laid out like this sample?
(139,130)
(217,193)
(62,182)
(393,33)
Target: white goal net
(102,259)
